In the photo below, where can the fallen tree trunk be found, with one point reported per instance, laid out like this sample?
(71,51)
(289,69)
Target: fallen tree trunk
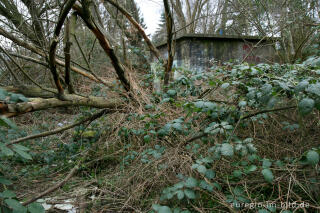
(36,104)
(31,91)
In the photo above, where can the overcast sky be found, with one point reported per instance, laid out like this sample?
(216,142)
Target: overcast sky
(151,11)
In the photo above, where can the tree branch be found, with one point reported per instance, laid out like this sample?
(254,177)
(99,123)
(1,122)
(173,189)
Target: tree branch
(52,132)
(105,44)
(40,52)
(36,104)
(53,188)
(53,47)
(153,49)
(20,68)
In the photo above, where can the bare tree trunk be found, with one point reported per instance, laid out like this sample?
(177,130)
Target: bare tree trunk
(53,47)
(36,104)
(169,24)
(105,44)
(67,56)
(177,6)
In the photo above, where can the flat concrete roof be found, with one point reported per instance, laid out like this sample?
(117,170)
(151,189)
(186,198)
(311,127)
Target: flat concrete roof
(218,37)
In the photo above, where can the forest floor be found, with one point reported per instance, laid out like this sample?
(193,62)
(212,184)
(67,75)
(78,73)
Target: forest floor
(122,170)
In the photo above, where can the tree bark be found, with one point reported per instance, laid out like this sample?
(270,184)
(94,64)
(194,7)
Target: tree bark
(181,18)
(53,47)
(105,44)
(36,104)
(169,23)
(67,55)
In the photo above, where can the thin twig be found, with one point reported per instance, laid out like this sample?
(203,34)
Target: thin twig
(10,70)
(88,63)
(53,188)
(20,68)
(243,118)
(52,132)
(268,110)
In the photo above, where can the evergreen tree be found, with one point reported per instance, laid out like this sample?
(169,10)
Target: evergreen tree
(160,33)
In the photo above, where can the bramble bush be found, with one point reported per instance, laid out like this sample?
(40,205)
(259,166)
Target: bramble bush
(250,94)
(238,134)
(12,152)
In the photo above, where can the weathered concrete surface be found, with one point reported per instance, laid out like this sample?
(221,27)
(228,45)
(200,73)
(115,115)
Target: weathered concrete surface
(196,50)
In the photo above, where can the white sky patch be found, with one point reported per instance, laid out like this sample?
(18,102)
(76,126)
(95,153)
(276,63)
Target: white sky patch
(151,11)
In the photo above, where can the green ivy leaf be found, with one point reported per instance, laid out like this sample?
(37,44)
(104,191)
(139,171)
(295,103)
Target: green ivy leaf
(314,89)
(227,150)
(177,210)
(164,209)
(7,194)
(191,182)
(267,174)
(272,208)
(263,211)
(163,132)
(313,157)
(190,193)
(204,185)
(179,185)
(7,123)
(3,94)
(266,163)
(5,150)
(217,186)
(195,165)
(5,181)
(177,126)
(36,208)
(252,168)
(237,173)
(156,207)
(14,98)
(251,148)
(148,106)
(180,194)
(202,169)
(161,209)
(171,92)
(210,174)
(305,106)
(23,154)
(147,138)
(301,85)
(242,104)
(15,205)
(225,85)
(23,148)
(210,105)
(238,191)
(165,100)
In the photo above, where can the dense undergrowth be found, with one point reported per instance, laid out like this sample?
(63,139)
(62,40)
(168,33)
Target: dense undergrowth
(237,138)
